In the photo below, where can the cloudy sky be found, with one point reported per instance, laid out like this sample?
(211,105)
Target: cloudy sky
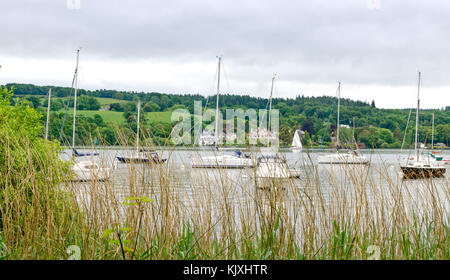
(374,47)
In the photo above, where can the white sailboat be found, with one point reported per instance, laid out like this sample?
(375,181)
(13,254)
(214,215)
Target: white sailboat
(270,164)
(297,142)
(275,167)
(86,169)
(141,156)
(420,166)
(238,160)
(349,157)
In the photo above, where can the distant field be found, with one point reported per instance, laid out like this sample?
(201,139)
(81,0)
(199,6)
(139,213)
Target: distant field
(156,117)
(117,117)
(107,101)
(108,116)
(112,116)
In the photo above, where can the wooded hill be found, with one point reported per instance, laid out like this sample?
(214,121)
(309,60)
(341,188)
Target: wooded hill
(103,111)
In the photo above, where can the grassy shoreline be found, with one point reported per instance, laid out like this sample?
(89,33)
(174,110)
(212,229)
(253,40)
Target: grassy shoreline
(357,220)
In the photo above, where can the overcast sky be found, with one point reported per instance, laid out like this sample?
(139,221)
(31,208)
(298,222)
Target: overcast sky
(375,47)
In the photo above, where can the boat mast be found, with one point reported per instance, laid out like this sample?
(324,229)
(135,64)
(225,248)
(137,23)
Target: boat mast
(339,103)
(48,113)
(353,133)
(138,118)
(406,128)
(432,132)
(417,119)
(270,100)
(217,103)
(75,100)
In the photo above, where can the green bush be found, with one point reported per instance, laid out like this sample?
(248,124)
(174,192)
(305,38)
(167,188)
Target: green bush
(29,163)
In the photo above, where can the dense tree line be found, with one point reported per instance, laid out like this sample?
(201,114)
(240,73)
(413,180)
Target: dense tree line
(374,127)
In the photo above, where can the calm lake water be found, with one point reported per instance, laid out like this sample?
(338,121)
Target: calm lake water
(383,171)
(195,189)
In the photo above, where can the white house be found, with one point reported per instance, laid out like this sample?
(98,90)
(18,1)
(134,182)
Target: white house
(208,138)
(261,133)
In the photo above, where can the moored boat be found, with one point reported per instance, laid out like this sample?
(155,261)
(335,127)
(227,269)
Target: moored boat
(238,160)
(87,169)
(421,166)
(351,157)
(275,167)
(339,157)
(142,157)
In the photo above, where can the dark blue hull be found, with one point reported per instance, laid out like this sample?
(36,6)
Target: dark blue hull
(141,160)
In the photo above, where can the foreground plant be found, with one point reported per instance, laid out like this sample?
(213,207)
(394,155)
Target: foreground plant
(160,211)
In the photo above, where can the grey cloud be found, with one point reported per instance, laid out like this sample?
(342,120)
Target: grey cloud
(312,41)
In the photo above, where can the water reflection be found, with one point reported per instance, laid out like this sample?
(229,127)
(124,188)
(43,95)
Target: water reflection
(344,190)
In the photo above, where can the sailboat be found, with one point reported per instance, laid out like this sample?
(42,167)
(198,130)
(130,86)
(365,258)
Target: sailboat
(420,166)
(296,142)
(88,169)
(141,156)
(270,164)
(237,160)
(273,166)
(351,156)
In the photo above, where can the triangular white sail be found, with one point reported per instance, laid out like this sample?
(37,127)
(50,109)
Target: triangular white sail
(296,142)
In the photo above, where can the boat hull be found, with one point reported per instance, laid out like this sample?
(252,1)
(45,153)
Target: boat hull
(220,166)
(90,171)
(277,172)
(275,167)
(222,162)
(343,159)
(140,160)
(83,176)
(422,172)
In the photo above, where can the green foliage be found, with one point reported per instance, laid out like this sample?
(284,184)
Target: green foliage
(19,131)
(56,104)
(30,165)
(118,107)
(115,236)
(35,101)
(307,113)
(85,102)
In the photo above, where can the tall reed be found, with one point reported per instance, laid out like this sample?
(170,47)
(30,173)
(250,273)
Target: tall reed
(170,211)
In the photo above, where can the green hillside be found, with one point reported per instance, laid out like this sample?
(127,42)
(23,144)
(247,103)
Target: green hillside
(375,127)
(118,117)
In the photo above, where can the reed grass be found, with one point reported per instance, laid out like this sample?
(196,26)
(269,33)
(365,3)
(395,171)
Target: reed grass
(160,211)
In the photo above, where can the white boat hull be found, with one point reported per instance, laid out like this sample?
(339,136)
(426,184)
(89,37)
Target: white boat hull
(89,170)
(275,169)
(222,161)
(340,158)
(424,167)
